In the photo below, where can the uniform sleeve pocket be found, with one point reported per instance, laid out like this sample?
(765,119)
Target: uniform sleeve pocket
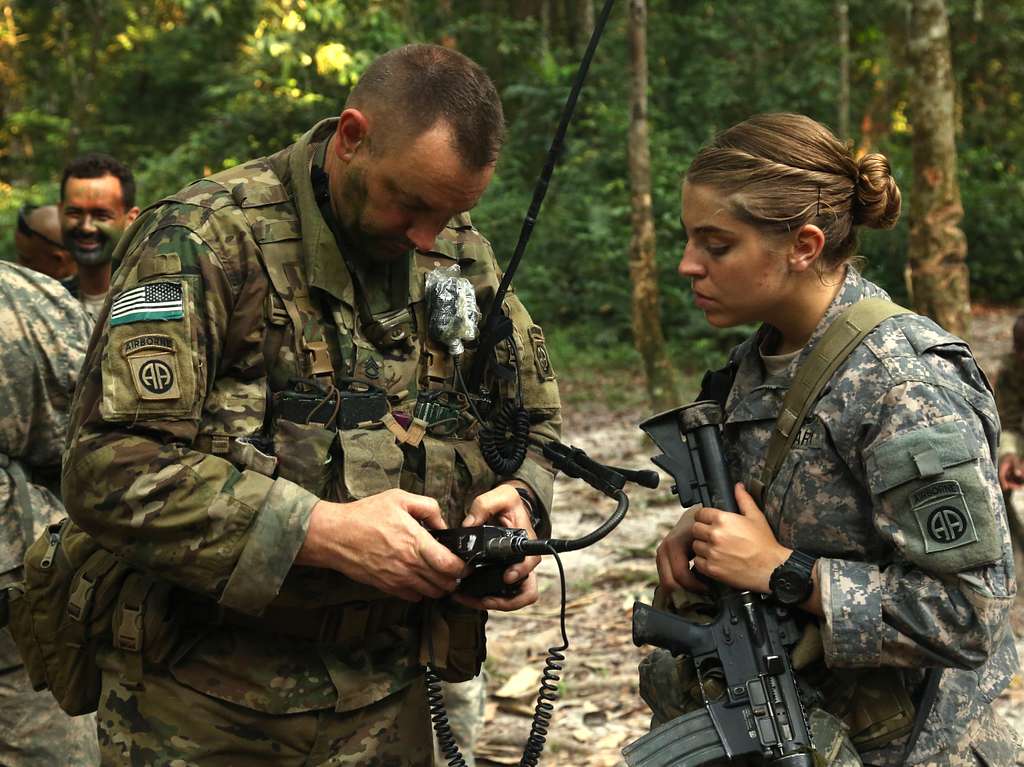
(932,490)
(152,365)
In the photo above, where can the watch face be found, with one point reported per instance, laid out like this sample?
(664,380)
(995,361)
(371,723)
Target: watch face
(789,587)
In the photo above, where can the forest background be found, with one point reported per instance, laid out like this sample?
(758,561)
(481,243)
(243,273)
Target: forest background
(181,88)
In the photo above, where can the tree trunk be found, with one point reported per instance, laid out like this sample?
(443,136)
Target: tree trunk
(938,248)
(647,334)
(843,19)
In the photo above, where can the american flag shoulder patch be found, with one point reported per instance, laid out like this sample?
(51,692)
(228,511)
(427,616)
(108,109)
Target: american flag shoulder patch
(154,301)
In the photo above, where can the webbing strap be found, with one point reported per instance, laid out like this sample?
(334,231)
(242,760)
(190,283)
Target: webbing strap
(83,586)
(924,706)
(283,264)
(842,337)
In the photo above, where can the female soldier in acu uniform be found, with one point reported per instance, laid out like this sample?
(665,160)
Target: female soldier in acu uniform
(886,510)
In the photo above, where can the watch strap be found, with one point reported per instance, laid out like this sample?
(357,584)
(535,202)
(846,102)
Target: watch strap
(527,497)
(803,562)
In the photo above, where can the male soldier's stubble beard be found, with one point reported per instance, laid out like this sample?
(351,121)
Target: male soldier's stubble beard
(368,244)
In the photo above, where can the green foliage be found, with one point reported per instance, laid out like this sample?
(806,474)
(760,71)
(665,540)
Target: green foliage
(180,88)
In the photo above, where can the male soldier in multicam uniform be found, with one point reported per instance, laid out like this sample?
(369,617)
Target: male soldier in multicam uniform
(309,592)
(1010,399)
(43,336)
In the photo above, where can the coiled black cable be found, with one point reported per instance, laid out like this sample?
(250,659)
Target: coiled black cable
(439,720)
(548,692)
(503,442)
(546,697)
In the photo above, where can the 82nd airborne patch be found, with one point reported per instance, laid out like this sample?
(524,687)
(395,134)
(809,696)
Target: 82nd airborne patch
(540,354)
(154,366)
(943,516)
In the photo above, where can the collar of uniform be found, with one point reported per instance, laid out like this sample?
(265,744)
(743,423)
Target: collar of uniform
(325,266)
(751,375)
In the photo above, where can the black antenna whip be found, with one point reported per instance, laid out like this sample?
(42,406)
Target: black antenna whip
(496,326)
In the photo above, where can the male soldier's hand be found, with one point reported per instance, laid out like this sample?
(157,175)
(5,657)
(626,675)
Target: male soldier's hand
(1011,472)
(381,542)
(503,506)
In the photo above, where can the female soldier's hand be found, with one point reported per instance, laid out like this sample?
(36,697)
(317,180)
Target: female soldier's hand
(737,549)
(674,554)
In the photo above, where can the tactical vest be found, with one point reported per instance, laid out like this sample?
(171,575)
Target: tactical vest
(424,444)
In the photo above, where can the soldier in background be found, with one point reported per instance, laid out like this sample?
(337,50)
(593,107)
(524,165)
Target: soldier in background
(97,203)
(1010,400)
(39,246)
(43,336)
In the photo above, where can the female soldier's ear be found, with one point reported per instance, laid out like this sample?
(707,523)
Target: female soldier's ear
(807,247)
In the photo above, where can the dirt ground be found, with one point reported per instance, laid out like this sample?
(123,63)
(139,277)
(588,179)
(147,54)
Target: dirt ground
(600,709)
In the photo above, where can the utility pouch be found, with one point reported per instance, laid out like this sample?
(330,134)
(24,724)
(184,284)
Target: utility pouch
(458,640)
(306,402)
(881,710)
(305,455)
(362,404)
(61,613)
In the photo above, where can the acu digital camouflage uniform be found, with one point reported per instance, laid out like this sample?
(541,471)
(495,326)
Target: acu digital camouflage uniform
(890,482)
(162,472)
(43,336)
(1010,400)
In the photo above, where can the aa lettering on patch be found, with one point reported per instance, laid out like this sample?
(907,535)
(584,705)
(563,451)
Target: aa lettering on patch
(540,354)
(153,301)
(154,366)
(942,514)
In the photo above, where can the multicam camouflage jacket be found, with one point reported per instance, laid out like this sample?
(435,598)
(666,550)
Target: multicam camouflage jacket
(892,483)
(43,337)
(229,289)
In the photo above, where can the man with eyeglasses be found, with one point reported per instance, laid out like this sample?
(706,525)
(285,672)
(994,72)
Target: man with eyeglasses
(97,203)
(38,244)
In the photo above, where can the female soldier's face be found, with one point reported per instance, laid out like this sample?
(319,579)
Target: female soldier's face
(735,277)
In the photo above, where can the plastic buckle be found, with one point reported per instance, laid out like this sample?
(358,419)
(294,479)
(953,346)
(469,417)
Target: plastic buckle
(81,598)
(319,358)
(129,632)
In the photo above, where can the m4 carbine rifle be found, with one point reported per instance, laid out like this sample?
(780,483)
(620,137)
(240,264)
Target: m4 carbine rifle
(743,651)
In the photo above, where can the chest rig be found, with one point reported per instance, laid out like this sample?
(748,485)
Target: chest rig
(346,418)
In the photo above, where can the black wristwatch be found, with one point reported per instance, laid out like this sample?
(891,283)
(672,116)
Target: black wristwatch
(791,582)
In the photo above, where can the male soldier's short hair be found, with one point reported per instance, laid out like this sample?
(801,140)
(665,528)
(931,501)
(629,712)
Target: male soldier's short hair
(97,165)
(409,89)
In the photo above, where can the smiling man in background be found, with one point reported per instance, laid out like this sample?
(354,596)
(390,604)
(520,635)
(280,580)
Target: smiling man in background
(97,203)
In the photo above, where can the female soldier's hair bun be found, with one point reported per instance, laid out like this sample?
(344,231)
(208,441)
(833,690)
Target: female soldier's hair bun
(876,196)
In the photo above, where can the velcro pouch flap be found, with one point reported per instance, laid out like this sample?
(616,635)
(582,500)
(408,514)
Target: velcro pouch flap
(920,454)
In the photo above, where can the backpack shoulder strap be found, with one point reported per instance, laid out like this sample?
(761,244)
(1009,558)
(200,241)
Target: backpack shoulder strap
(270,212)
(842,337)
